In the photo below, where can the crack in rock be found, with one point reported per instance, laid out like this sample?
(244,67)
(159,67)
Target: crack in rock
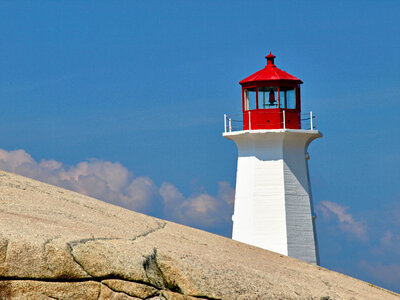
(131,295)
(134,289)
(158,297)
(115,291)
(153,272)
(92,239)
(204,297)
(70,249)
(99,294)
(160,225)
(51,297)
(156,276)
(66,280)
(48,241)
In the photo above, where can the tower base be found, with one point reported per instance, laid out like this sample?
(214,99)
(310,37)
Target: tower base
(273,202)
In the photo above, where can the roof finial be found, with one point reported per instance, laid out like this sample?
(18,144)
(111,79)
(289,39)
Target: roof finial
(270,59)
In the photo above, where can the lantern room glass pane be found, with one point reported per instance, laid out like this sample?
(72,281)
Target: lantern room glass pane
(267,97)
(288,98)
(250,99)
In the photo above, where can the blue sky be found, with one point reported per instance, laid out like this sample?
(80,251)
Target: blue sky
(124,101)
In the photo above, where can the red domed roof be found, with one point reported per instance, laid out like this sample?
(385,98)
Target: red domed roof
(270,72)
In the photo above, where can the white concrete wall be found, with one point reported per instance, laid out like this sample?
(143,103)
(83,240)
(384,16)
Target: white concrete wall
(273,208)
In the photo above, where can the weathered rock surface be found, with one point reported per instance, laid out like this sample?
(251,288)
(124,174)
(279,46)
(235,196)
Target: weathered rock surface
(57,244)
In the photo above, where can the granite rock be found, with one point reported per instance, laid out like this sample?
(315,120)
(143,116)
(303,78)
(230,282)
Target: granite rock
(58,244)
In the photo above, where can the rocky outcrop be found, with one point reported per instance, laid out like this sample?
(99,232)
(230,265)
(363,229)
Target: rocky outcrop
(57,244)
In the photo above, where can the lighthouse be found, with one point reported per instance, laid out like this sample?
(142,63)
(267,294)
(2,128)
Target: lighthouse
(273,202)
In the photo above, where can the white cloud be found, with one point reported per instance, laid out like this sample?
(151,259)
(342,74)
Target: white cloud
(388,244)
(387,238)
(13,159)
(171,196)
(142,192)
(114,183)
(346,221)
(198,210)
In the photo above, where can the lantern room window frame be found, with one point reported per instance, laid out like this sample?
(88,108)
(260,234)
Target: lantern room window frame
(278,86)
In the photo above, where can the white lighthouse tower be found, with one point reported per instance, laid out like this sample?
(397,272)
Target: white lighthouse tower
(273,203)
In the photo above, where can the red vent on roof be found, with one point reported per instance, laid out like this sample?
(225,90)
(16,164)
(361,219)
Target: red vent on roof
(270,72)
(270,59)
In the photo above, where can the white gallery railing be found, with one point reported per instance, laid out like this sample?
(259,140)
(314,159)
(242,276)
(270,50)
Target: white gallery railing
(308,121)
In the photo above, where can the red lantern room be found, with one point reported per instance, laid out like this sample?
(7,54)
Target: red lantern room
(271,99)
